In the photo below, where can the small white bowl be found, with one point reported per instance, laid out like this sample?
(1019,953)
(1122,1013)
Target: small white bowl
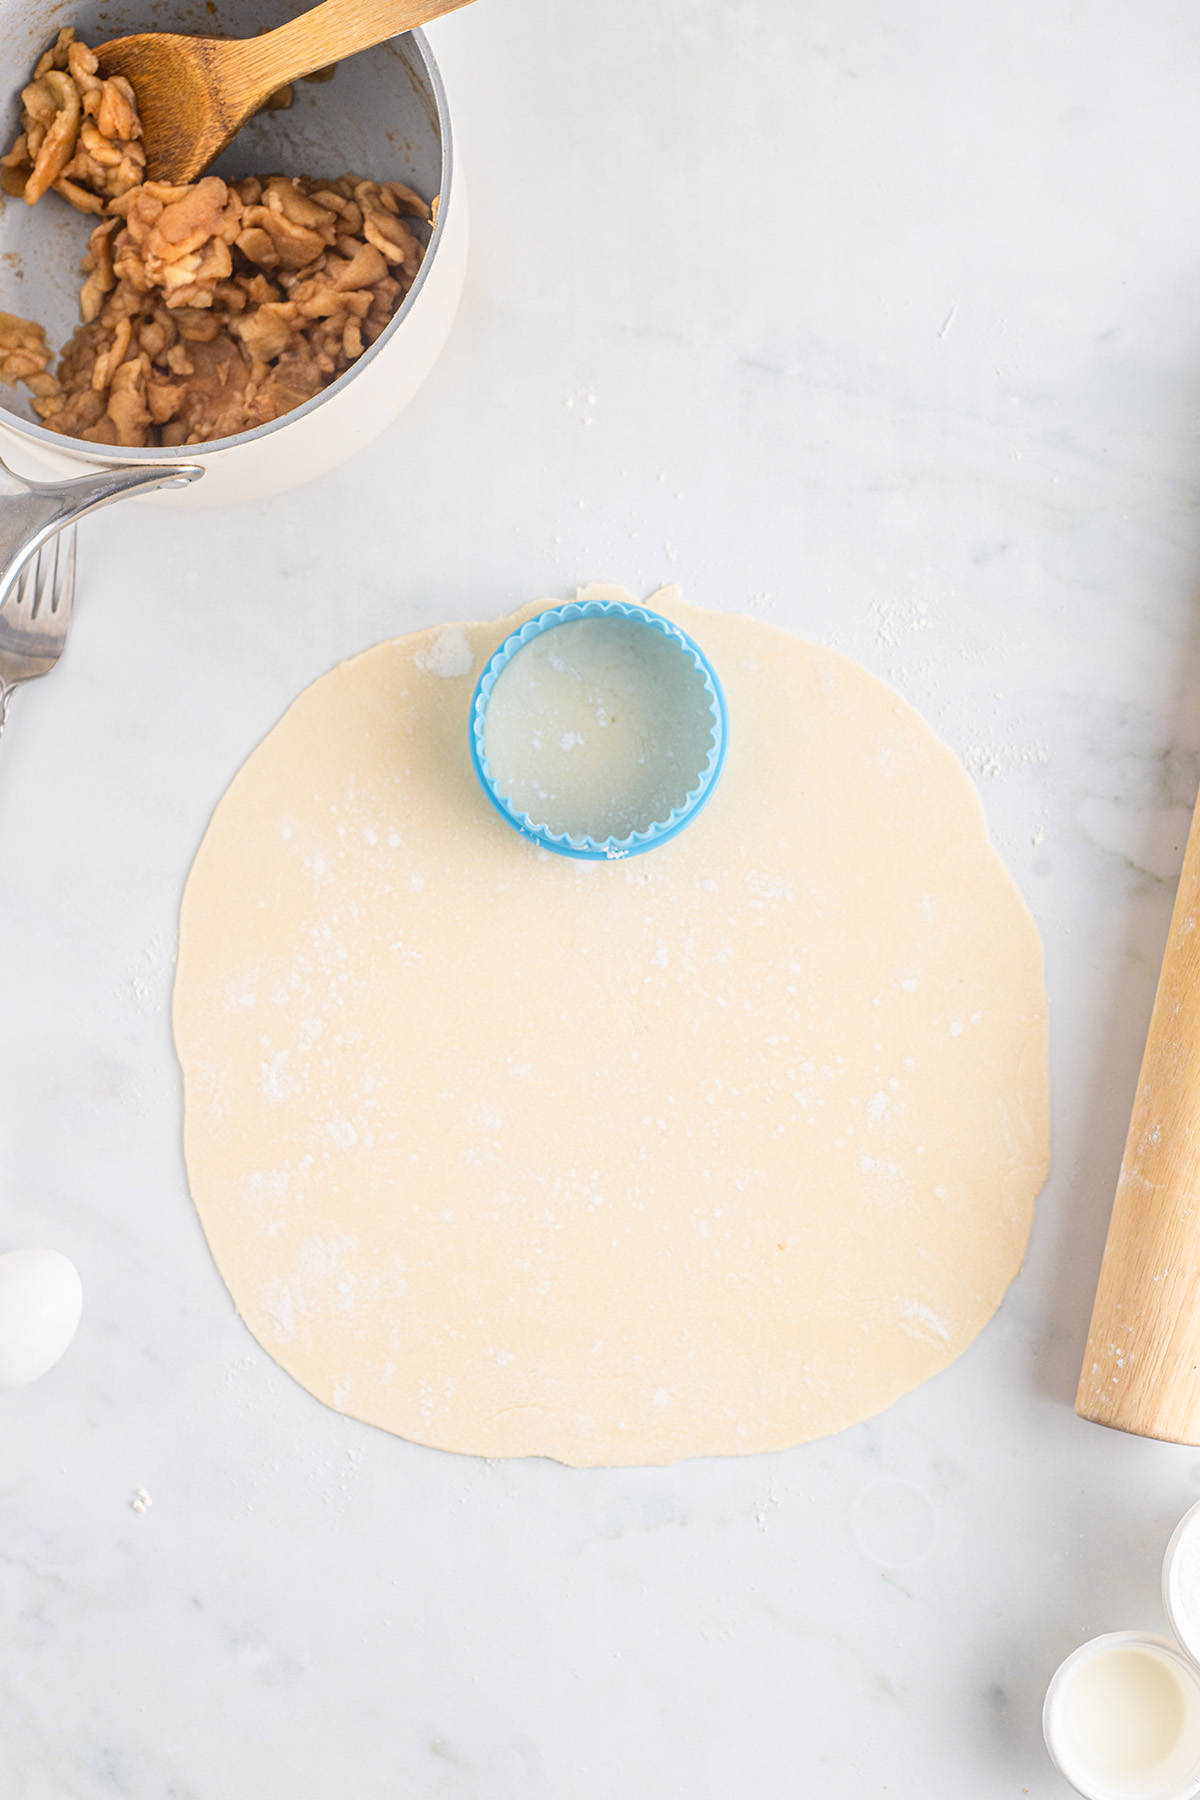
(1177,1777)
(1185,1627)
(383,115)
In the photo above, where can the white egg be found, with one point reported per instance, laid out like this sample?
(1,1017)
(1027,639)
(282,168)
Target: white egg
(40,1303)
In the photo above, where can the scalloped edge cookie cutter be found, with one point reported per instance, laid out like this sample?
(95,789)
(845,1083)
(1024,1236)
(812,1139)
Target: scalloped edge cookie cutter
(608,849)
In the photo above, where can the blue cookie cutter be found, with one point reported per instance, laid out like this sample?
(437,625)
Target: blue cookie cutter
(607,849)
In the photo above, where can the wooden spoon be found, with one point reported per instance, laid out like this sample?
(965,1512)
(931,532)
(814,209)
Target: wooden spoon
(195,93)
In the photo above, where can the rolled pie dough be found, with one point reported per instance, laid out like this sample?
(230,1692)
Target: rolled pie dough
(713,1150)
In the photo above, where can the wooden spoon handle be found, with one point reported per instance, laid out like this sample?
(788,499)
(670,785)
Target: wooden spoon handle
(1141,1370)
(335,29)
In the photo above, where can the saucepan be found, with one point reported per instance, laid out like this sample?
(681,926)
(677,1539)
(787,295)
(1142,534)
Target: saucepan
(383,115)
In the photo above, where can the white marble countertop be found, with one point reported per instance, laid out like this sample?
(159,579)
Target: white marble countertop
(881,322)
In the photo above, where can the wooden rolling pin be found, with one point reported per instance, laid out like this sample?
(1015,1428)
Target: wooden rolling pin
(1141,1370)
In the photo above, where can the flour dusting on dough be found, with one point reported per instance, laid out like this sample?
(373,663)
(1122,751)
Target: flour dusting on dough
(921,1318)
(449,655)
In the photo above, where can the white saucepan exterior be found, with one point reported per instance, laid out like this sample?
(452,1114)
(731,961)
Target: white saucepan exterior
(383,115)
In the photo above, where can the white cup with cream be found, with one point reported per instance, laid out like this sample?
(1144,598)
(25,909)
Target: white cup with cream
(1122,1713)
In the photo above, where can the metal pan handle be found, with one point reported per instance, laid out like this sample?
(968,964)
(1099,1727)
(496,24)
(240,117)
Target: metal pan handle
(32,511)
